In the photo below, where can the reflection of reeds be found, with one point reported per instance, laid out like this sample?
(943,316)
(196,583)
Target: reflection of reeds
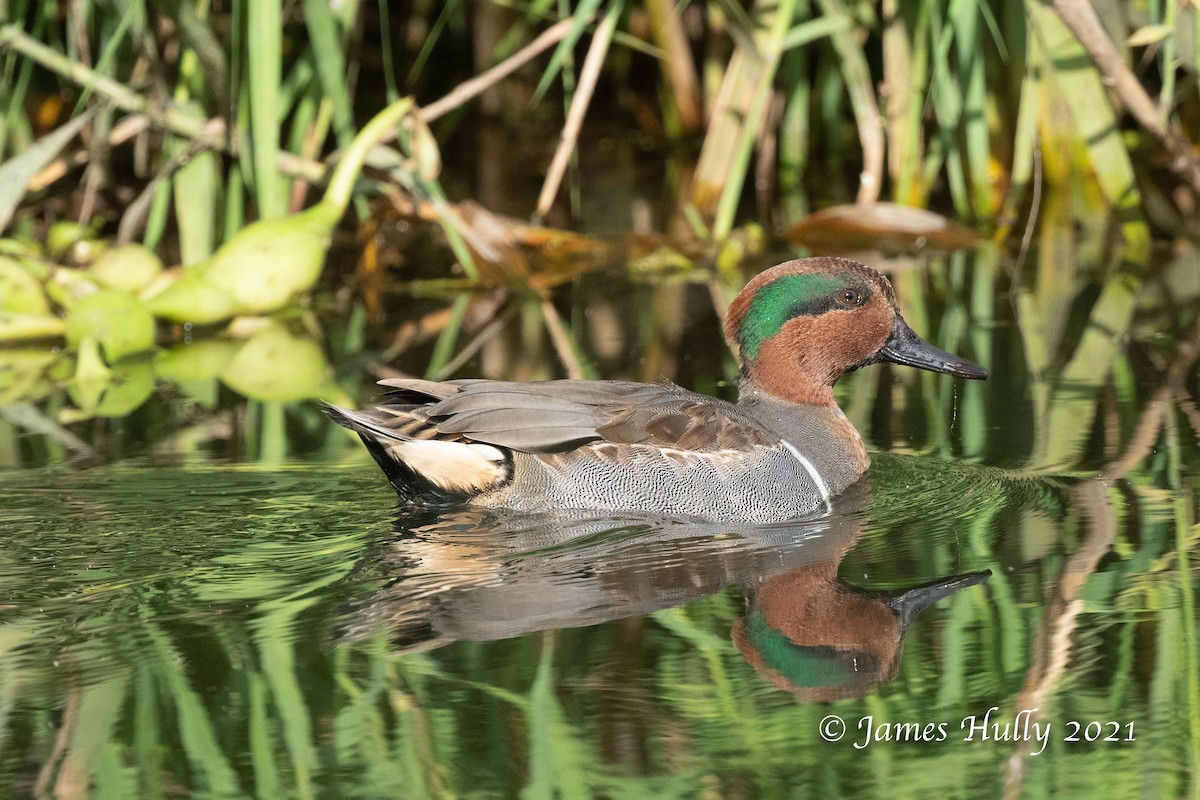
(248,696)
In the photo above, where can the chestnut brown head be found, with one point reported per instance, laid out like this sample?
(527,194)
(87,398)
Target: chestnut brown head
(801,325)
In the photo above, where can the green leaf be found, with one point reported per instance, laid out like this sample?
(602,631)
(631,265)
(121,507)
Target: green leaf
(16,173)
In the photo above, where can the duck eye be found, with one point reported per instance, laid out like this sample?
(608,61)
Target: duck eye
(850,297)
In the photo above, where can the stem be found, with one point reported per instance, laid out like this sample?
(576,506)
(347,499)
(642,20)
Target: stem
(484,81)
(579,105)
(341,183)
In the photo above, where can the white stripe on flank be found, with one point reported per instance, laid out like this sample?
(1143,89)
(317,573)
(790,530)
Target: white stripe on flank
(822,487)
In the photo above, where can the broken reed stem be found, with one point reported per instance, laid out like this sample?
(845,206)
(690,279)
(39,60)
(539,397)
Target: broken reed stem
(485,80)
(588,77)
(561,340)
(476,344)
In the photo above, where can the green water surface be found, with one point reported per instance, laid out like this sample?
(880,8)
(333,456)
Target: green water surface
(218,597)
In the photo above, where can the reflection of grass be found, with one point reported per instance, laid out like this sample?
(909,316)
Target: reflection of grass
(222,680)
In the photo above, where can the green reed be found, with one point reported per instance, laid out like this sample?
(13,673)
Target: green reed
(969,84)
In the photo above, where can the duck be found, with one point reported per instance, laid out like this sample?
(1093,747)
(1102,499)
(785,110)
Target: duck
(780,453)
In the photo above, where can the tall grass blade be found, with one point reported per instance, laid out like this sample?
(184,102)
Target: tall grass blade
(330,62)
(965,20)
(264,40)
(861,88)
(275,640)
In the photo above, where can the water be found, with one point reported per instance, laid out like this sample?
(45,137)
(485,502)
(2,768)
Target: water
(212,596)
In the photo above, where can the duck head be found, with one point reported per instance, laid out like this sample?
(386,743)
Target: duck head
(799,326)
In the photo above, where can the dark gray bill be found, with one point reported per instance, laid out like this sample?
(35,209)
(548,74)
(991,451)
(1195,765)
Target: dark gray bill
(908,604)
(905,347)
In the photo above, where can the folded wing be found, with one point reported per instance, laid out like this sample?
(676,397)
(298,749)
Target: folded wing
(557,416)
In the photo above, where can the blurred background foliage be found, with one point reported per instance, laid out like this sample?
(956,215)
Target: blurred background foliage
(489,152)
(216,212)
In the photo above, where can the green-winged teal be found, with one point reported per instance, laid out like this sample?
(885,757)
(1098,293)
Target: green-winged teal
(779,453)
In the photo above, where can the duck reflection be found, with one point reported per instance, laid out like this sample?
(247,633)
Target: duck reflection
(483,575)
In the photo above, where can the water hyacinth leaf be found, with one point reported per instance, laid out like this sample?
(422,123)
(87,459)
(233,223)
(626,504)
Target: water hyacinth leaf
(130,384)
(23,373)
(67,286)
(71,241)
(268,264)
(91,377)
(192,299)
(20,292)
(129,268)
(118,321)
(341,182)
(202,359)
(23,328)
(17,171)
(27,257)
(271,262)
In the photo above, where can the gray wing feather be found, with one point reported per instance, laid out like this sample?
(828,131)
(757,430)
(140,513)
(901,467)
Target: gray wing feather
(501,418)
(418,386)
(556,416)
